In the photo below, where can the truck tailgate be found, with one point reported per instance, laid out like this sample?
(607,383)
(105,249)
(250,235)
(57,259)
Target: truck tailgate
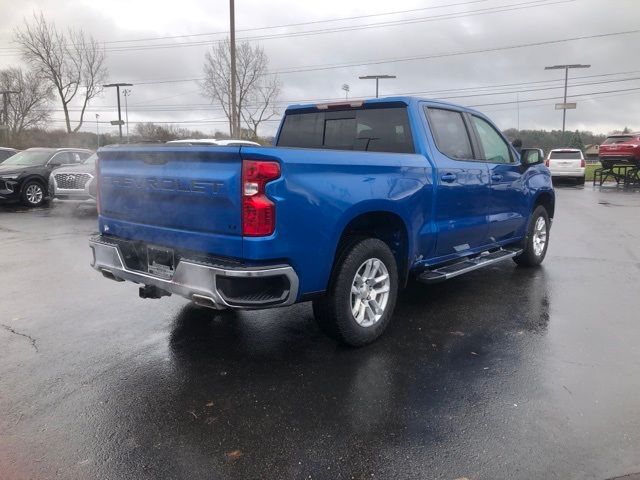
(167,194)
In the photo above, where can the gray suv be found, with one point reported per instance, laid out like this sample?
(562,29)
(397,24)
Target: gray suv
(73,182)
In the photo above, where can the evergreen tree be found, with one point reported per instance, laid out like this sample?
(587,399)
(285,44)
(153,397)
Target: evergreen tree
(576,141)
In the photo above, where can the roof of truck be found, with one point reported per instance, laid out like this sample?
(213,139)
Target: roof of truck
(354,103)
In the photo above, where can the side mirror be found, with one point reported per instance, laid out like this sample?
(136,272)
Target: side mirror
(531,156)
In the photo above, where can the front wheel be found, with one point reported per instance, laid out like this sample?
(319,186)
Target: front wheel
(362,295)
(537,239)
(32,194)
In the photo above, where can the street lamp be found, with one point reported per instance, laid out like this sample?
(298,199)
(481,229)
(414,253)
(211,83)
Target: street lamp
(98,129)
(564,106)
(376,78)
(118,85)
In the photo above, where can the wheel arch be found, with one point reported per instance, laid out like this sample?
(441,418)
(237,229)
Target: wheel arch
(547,200)
(383,224)
(36,178)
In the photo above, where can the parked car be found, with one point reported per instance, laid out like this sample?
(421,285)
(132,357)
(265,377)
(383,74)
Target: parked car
(213,141)
(355,198)
(6,152)
(567,163)
(24,176)
(620,149)
(72,182)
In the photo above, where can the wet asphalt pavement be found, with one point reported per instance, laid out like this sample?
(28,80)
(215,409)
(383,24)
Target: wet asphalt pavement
(502,373)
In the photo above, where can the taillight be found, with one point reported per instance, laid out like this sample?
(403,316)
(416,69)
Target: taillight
(582,163)
(258,211)
(546,162)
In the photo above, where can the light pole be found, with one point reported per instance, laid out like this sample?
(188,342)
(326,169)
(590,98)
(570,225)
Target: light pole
(565,106)
(98,129)
(118,85)
(376,78)
(345,87)
(126,92)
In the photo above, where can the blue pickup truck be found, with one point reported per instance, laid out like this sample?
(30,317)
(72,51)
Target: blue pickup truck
(354,200)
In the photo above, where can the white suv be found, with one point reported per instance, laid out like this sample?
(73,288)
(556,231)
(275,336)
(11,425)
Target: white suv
(566,163)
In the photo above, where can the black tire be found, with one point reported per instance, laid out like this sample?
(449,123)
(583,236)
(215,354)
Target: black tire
(580,181)
(529,257)
(333,311)
(30,196)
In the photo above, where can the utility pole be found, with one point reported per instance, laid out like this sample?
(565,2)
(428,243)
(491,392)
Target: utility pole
(119,122)
(232,55)
(518,105)
(126,92)
(98,129)
(5,111)
(564,106)
(376,78)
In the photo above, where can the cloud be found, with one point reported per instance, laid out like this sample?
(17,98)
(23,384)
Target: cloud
(520,22)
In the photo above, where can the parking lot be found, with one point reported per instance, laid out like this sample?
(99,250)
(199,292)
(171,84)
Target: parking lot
(502,373)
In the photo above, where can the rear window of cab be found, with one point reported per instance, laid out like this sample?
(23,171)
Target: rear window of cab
(384,129)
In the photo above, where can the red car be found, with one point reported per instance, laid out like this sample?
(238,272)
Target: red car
(620,148)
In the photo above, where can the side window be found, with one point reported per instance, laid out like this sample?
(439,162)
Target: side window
(60,158)
(496,149)
(450,133)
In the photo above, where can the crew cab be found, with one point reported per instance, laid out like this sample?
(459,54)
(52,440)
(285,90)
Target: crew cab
(353,200)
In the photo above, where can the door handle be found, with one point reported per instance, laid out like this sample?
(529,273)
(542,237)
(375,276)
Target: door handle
(496,177)
(448,177)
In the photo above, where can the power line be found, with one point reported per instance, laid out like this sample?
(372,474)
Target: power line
(554,98)
(315,68)
(490,10)
(287,25)
(459,89)
(447,16)
(225,120)
(209,107)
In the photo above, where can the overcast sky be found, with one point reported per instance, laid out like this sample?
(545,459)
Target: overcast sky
(410,28)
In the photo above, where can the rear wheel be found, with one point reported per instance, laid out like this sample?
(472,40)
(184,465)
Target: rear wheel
(32,194)
(361,298)
(537,239)
(580,180)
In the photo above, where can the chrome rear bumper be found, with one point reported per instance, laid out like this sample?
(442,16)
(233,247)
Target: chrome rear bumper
(198,281)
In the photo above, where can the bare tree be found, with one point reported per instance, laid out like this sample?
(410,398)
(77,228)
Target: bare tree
(261,105)
(72,62)
(255,91)
(29,107)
